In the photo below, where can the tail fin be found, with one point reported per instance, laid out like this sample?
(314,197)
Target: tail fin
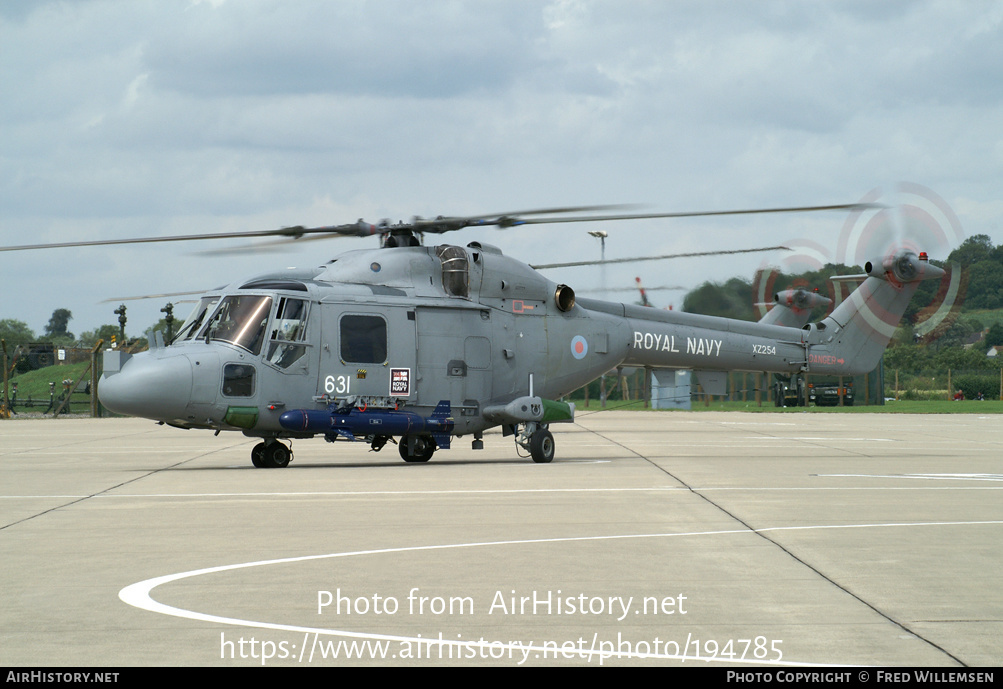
(852,339)
(441,423)
(792,307)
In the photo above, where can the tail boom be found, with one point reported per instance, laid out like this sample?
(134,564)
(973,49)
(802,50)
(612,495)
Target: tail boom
(848,342)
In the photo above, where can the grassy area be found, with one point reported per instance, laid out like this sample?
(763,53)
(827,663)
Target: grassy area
(900,407)
(986,317)
(35,385)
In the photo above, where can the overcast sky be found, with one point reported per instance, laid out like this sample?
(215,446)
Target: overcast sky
(128,118)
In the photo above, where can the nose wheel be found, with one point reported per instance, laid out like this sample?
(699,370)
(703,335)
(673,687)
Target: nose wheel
(271,455)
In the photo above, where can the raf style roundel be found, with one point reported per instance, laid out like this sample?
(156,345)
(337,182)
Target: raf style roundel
(579,347)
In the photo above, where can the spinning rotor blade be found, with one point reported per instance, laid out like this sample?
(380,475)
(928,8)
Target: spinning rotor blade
(357,229)
(442,224)
(514,219)
(169,295)
(508,219)
(661,288)
(693,254)
(698,214)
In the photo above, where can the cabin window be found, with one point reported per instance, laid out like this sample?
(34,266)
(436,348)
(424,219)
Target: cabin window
(238,380)
(288,328)
(241,321)
(363,339)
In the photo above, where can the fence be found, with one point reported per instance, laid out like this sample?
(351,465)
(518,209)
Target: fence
(868,389)
(945,384)
(64,394)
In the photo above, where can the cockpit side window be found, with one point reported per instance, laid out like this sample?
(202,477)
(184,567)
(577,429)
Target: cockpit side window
(289,328)
(240,320)
(363,339)
(196,318)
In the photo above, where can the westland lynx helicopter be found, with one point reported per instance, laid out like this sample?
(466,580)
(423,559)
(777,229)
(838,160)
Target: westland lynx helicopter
(417,344)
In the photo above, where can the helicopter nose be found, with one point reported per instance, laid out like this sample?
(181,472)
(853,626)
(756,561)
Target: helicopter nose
(153,388)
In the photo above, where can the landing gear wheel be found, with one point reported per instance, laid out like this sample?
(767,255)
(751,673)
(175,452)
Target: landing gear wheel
(258,455)
(275,456)
(541,446)
(423,448)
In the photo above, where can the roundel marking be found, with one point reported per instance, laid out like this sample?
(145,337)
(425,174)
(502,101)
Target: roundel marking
(579,347)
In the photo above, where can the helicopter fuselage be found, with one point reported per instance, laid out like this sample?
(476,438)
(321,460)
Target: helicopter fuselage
(441,341)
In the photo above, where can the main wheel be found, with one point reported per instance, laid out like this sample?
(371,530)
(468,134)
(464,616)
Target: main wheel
(423,449)
(541,446)
(275,456)
(258,455)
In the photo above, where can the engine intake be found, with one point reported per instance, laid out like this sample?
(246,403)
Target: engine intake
(564,296)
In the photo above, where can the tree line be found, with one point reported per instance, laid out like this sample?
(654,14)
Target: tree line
(15,332)
(982,264)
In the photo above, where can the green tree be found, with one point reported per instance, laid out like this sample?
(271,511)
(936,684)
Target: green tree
(15,333)
(161,326)
(733,299)
(994,337)
(985,285)
(908,357)
(958,333)
(978,247)
(959,358)
(57,327)
(105,332)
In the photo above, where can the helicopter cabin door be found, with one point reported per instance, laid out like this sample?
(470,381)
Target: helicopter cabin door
(368,352)
(454,356)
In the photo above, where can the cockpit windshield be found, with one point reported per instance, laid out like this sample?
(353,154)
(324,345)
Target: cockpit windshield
(240,320)
(196,318)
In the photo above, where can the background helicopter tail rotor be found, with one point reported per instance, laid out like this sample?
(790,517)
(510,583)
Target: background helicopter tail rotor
(909,218)
(915,220)
(804,256)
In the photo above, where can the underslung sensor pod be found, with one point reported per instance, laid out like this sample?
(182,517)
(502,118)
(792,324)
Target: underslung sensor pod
(527,409)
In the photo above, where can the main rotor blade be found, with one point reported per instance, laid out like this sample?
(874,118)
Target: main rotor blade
(700,214)
(575,264)
(505,220)
(661,288)
(446,223)
(169,295)
(441,224)
(357,229)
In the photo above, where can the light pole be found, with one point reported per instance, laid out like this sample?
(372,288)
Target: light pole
(601,236)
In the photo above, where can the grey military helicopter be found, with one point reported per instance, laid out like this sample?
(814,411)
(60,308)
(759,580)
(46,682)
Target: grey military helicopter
(417,345)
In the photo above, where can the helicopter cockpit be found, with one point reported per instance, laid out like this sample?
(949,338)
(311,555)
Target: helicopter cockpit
(242,320)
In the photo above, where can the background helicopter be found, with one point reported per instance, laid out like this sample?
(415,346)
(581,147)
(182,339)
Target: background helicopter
(424,343)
